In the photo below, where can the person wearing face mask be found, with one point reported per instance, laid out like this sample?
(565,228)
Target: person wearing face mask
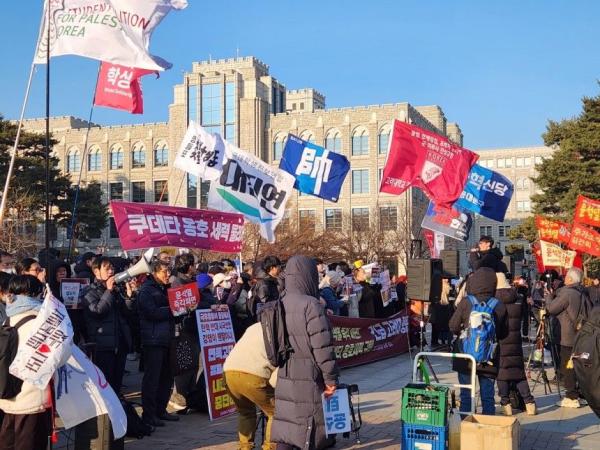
(221,287)
(7,262)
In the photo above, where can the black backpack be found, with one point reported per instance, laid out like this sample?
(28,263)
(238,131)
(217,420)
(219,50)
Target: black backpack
(277,343)
(586,359)
(10,385)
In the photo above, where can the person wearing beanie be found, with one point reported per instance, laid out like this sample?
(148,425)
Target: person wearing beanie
(481,285)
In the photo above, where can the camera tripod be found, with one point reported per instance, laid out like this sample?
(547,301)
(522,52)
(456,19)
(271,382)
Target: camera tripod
(539,348)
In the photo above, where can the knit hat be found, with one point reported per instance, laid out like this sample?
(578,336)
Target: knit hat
(482,283)
(502,282)
(203,280)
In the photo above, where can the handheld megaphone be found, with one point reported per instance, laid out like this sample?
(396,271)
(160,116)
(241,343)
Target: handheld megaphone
(142,266)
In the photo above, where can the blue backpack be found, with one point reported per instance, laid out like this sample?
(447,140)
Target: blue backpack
(478,339)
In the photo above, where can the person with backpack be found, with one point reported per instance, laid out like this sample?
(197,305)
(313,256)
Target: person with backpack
(311,369)
(570,306)
(27,423)
(480,321)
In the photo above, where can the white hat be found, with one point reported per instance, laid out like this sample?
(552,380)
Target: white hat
(219,278)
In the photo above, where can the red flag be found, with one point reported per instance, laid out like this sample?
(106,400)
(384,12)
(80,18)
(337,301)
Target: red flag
(553,231)
(426,160)
(119,87)
(587,211)
(585,240)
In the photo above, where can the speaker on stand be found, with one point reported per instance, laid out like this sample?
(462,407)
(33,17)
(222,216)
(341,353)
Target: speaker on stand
(450,262)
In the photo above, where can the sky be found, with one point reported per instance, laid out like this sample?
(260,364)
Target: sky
(499,69)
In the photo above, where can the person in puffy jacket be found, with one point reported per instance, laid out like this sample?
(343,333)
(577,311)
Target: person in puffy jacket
(327,291)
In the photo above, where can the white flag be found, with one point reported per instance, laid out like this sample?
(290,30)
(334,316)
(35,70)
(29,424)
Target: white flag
(201,153)
(116,31)
(48,347)
(253,188)
(82,392)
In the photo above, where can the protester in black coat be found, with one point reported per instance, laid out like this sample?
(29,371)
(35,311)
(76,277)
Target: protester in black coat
(594,291)
(439,317)
(83,266)
(486,255)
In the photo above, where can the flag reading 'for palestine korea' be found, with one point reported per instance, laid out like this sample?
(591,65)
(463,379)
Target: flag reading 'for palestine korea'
(116,31)
(120,87)
(428,161)
(48,347)
(318,171)
(201,153)
(253,188)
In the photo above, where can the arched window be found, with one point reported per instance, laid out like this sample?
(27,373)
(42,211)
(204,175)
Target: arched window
(383,140)
(94,159)
(278,146)
(161,155)
(333,141)
(307,136)
(73,160)
(360,142)
(138,158)
(116,157)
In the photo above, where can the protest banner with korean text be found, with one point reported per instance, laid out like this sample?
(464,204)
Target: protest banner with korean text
(585,240)
(183,299)
(426,160)
(201,153)
(554,256)
(119,87)
(143,226)
(318,171)
(215,332)
(447,221)
(251,187)
(70,290)
(336,411)
(553,230)
(587,211)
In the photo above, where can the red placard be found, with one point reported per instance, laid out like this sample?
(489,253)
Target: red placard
(585,240)
(119,87)
(144,226)
(587,211)
(553,230)
(183,298)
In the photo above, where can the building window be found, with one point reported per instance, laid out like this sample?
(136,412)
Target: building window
(523,183)
(159,186)
(538,160)
(73,160)
(230,104)
(503,230)
(94,160)
(138,191)
(489,163)
(360,143)
(112,229)
(138,159)
(523,162)
(293,107)
(333,142)
(485,231)
(192,191)
(161,155)
(301,105)
(211,107)
(116,191)
(204,189)
(501,163)
(284,224)
(278,147)
(388,218)
(307,219)
(116,157)
(333,219)
(508,162)
(360,181)
(524,206)
(383,142)
(193,103)
(308,137)
(360,219)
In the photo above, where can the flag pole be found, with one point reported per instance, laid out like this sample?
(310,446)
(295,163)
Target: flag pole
(82,162)
(47,225)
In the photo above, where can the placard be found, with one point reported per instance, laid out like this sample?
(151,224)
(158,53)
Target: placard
(70,289)
(336,410)
(183,299)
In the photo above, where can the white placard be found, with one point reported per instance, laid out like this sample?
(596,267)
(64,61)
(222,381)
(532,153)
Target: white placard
(336,410)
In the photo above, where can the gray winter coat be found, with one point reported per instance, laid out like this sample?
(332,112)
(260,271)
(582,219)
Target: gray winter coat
(298,409)
(565,306)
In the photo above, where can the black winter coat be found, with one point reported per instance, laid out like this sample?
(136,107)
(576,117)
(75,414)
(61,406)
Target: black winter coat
(370,304)
(267,289)
(105,315)
(594,294)
(512,367)
(491,258)
(156,320)
(299,417)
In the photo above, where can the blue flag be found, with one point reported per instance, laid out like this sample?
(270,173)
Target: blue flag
(318,171)
(486,192)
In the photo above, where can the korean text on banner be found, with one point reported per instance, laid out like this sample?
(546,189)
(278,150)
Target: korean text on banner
(216,336)
(447,221)
(82,392)
(119,87)
(318,171)
(183,299)
(48,347)
(336,411)
(585,240)
(70,291)
(554,256)
(552,230)
(253,188)
(486,192)
(587,211)
(146,226)
(201,153)
(116,31)
(428,161)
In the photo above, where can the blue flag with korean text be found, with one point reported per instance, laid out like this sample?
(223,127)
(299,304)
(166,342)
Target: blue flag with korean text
(486,192)
(317,170)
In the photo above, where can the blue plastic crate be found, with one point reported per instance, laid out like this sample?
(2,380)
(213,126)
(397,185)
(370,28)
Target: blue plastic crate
(426,436)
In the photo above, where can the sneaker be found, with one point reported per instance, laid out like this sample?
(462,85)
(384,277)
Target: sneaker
(531,409)
(507,410)
(583,401)
(568,403)
(168,417)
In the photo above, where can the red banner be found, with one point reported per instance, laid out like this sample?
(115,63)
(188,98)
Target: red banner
(428,161)
(144,225)
(537,253)
(119,87)
(553,230)
(360,341)
(585,240)
(587,211)
(183,298)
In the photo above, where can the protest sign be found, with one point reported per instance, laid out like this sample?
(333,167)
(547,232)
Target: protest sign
(552,230)
(318,171)
(145,226)
(428,161)
(554,256)
(587,211)
(486,192)
(183,299)
(336,411)
(82,392)
(119,87)
(47,347)
(447,221)
(251,187)
(201,153)
(359,341)
(585,240)
(70,290)
(216,341)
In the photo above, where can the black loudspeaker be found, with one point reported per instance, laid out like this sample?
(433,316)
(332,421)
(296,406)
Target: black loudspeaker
(451,262)
(424,279)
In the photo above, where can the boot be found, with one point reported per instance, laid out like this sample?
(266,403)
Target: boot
(507,410)
(531,409)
